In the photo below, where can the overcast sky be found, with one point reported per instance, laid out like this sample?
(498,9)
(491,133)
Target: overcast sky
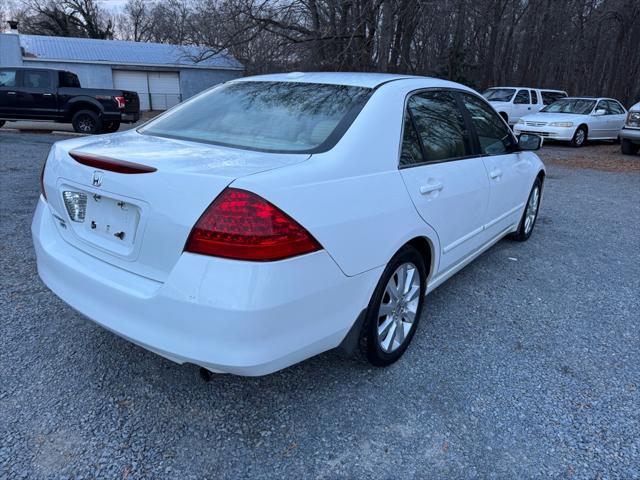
(113,5)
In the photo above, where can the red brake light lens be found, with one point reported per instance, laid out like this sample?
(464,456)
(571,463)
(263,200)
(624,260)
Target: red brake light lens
(111,164)
(243,226)
(120,101)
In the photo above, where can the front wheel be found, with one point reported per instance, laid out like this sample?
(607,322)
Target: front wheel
(580,137)
(530,215)
(628,147)
(86,121)
(395,308)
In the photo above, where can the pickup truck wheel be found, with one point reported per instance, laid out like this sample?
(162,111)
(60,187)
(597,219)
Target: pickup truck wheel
(629,148)
(1,123)
(110,127)
(86,121)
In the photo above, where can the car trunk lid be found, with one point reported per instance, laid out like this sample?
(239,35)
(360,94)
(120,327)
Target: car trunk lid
(141,221)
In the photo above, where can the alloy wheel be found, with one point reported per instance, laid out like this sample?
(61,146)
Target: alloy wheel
(398,308)
(532,210)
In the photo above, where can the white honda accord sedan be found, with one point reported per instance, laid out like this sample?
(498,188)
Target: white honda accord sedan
(273,218)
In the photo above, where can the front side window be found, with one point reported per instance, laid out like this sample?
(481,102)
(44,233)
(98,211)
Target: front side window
(285,117)
(522,97)
(36,79)
(7,78)
(493,134)
(440,126)
(499,94)
(602,105)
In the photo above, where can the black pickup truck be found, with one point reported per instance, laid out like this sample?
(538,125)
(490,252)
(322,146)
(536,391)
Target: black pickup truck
(56,95)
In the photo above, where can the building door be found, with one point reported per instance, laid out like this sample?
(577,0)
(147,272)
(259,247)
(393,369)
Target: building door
(157,90)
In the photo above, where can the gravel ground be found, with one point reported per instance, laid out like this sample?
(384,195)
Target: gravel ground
(526,365)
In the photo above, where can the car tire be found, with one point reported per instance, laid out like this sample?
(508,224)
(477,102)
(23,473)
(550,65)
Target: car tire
(386,336)
(579,137)
(530,214)
(86,121)
(2,122)
(110,127)
(628,147)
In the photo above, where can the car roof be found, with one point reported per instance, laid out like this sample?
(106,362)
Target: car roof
(354,79)
(589,98)
(530,88)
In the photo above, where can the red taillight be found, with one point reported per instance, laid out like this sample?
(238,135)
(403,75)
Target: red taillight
(120,101)
(243,226)
(42,190)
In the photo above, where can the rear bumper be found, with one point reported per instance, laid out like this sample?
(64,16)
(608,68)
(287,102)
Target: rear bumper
(552,133)
(630,134)
(228,316)
(124,117)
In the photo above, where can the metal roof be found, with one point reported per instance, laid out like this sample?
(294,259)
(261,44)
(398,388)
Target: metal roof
(119,52)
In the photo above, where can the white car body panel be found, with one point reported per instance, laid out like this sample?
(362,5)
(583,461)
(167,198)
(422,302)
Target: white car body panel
(600,127)
(253,318)
(515,111)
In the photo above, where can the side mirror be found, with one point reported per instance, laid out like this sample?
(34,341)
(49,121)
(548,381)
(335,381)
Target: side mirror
(599,112)
(527,141)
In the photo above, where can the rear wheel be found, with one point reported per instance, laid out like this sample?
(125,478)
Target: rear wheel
(110,127)
(530,215)
(580,137)
(395,308)
(628,147)
(86,121)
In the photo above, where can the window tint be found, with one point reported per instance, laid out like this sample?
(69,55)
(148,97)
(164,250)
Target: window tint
(411,152)
(36,79)
(267,116)
(494,136)
(549,97)
(534,97)
(522,97)
(440,126)
(7,78)
(615,108)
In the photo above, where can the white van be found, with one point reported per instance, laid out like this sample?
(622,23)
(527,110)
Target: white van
(515,102)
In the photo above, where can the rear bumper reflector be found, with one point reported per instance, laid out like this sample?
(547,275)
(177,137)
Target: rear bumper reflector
(110,164)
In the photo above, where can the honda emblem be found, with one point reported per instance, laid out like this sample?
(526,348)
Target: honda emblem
(96,180)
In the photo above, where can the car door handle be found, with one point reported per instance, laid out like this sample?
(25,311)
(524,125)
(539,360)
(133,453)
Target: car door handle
(47,94)
(497,173)
(11,93)
(431,187)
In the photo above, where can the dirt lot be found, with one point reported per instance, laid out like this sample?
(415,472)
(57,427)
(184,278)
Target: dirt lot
(604,156)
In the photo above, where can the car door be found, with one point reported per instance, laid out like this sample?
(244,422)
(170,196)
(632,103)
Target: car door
(9,81)
(598,127)
(521,105)
(616,116)
(38,94)
(445,178)
(509,172)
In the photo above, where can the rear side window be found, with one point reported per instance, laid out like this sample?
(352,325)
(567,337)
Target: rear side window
(285,117)
(615,108)
(440,126)
(68,79)
(534,97)
(7,78)
(549,97)
(36,79)
(493,134)
(411,150)
(522,97)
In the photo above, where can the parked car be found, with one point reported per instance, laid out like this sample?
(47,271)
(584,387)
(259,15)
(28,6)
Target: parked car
(515,102)
(575,120)
(56,95)
(272,218)
(630,133)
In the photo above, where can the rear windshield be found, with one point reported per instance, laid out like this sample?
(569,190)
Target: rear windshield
(579,106)
(499,94)
(265,116)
